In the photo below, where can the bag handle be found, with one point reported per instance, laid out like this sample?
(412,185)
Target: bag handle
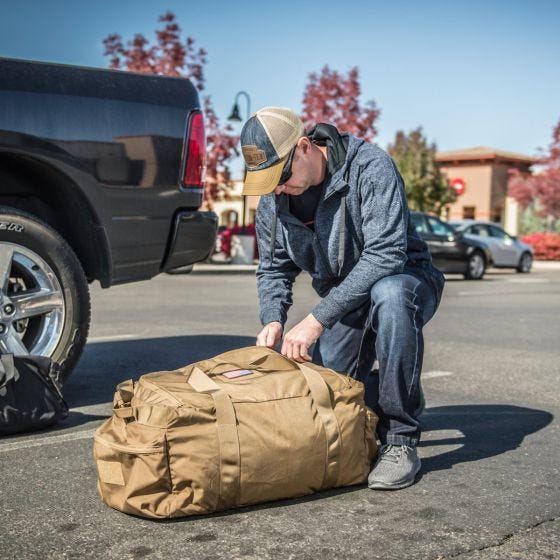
(121,401)
(321,396)
(228,437)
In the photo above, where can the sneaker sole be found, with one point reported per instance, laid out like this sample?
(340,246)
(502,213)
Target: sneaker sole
(396,486)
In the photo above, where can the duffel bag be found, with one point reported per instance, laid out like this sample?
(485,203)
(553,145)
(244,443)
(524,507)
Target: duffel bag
(245,427)
(30,394)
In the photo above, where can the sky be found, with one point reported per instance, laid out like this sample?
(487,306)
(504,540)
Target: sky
(471,73)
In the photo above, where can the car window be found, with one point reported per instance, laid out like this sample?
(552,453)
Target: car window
(478,229)
(419,223)
(497,232)
(439,228)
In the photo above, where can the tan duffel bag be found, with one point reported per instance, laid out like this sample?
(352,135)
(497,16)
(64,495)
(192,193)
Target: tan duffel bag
(244,427)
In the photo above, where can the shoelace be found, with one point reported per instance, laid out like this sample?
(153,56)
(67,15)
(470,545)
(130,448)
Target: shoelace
(392,453)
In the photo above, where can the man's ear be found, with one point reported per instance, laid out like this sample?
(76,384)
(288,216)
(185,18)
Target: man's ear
(304,144)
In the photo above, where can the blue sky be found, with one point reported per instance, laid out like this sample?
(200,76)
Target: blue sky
(470,72)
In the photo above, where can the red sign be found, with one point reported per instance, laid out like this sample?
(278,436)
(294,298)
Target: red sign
(458,185)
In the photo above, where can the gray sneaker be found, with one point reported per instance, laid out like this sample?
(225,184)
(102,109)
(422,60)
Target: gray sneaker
(396,467)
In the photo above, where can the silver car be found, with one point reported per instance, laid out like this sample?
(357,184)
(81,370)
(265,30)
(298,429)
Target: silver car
(506,250)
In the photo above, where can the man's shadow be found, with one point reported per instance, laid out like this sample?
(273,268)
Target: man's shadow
(488,430)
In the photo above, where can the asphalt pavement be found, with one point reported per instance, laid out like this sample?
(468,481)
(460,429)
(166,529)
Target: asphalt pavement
(490,484)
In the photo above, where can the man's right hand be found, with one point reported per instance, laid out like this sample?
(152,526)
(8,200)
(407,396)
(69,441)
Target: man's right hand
(271,335)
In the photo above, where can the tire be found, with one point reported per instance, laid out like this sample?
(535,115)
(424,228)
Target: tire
(33,258)
(476,266)
(525,263)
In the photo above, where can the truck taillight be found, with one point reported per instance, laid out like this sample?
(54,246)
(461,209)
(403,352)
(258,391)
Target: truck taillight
(195,157)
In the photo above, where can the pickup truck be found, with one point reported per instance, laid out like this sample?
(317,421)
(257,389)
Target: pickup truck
(101,178)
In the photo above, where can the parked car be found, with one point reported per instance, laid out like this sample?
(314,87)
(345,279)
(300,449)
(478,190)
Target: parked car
(450,250)
(506,250)
(101,178)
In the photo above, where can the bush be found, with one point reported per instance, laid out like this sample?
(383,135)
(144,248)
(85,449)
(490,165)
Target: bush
(545,245)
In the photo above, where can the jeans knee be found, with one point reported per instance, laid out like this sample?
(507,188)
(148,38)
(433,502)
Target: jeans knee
(390,296)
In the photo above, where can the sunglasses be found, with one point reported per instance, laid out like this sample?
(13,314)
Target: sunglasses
(287,169)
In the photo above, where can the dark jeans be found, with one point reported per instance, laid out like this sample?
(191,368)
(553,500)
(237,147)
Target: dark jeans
(389,328)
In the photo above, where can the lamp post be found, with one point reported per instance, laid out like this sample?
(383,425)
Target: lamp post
(236,117)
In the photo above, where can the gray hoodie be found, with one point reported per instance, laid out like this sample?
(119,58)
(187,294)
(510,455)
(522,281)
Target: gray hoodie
(362,234)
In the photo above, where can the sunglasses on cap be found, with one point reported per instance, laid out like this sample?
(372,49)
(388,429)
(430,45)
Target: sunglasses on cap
(287,169)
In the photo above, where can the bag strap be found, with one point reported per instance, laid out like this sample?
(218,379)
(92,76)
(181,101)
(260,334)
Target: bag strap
(228,437)
(8,368)
(322,398)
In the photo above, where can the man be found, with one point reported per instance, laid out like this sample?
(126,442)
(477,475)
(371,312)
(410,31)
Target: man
(334,206)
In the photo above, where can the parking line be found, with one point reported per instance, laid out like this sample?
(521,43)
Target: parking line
(432,374)
(49,440)
(109,338)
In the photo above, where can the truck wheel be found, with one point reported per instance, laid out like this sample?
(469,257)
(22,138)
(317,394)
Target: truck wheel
(44,296)
(525,263)
(476,266)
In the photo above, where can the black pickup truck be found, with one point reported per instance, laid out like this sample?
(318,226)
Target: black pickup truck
(101,178)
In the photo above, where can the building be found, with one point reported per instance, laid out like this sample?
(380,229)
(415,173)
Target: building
(480,176)
(229,209)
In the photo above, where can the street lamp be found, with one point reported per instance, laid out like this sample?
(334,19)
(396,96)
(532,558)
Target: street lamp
(236,117)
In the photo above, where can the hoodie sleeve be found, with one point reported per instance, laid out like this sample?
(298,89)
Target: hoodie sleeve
(384,222)
(276,272)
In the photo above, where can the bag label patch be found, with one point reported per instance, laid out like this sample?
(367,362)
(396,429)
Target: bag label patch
(110,472)
(237,373)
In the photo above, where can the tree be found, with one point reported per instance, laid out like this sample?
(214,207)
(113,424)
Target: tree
(334,98)
(427,189)
(169,56)
(541,192)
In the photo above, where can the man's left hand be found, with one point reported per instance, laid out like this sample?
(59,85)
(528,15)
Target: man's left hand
(297,341)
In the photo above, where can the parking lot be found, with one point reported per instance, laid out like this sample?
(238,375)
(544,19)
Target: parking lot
(490,483)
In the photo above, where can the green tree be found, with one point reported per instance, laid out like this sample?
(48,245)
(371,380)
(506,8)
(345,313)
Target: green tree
(427,189)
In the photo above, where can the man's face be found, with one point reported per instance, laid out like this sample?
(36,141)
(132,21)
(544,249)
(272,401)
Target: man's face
(302,176)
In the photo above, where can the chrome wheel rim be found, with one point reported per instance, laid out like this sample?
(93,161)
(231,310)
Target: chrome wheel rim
(32,309)
(476,266)
(526,262)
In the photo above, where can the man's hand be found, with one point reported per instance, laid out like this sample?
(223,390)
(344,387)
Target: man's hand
(271,335)
(298,340)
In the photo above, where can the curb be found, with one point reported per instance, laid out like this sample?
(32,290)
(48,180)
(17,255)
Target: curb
(546,265)
(224,269)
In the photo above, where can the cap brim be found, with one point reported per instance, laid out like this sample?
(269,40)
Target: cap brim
(263,181)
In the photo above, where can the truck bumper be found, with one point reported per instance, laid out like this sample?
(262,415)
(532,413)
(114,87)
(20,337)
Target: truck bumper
(192,239)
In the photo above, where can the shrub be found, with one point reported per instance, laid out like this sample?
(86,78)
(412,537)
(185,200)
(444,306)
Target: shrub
(545,245)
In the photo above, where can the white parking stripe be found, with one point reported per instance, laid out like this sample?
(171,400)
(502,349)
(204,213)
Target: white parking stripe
(109,338)
(432,374)
(49,440)
(528,280)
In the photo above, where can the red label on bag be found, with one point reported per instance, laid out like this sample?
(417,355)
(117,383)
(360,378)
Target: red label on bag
(237,373)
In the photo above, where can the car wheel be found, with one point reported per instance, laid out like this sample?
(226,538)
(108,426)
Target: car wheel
(525,263)
(44,296)
(476,266)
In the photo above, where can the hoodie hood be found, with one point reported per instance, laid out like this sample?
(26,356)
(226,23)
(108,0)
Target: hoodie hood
(341,150)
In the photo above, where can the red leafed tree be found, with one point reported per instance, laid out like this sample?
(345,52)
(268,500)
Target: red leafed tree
(170,56)
(333,97)
(541,190)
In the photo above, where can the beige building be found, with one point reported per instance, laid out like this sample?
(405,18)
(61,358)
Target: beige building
(230,209)
(480,176)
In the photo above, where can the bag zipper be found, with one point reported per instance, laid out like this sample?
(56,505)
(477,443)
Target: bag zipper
(157,389)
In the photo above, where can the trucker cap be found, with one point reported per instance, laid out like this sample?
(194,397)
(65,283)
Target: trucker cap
(266,141)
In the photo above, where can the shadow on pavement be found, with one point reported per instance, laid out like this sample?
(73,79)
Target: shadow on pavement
(488,430)
(105,364)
